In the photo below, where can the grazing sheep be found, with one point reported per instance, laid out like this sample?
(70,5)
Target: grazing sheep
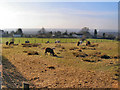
(50,51)
(78,43)
(88,43)
(47,42)
(27,41)
(11,43)
(7,43)
(57,41)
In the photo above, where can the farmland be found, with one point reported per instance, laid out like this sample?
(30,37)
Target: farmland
(74,67)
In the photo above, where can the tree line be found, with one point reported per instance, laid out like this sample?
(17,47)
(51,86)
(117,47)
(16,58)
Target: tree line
(42,33)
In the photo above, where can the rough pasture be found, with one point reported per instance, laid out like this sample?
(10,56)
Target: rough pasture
(51,40)
(64,71)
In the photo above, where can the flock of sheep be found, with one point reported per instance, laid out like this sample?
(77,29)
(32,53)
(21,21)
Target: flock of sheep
(47,50)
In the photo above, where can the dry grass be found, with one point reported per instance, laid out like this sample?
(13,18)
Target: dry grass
(78,68)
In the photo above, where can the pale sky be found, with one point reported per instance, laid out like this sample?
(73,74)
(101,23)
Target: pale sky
(99,15)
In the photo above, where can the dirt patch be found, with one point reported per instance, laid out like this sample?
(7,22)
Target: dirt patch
(61,50)
(58,45)
(105,56)
(77,54)
(74,48)
(58,53)
(15,44)
(93,45)
(43,47)
(80,50)
(92,48)
(91,59)
(31,52)
(95,54)
(63,47)
(6,47)
(116,57)
(25,51)
(35,45)
(51,67)
(83,48)
(30,45)
(88,48)
(27,46)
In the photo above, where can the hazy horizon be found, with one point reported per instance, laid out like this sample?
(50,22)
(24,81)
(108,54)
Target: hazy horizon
(65,15)
(57,29)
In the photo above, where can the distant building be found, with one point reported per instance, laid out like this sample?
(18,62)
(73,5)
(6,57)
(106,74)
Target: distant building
(65,36)
(17,35)
(77,35)
(2,32)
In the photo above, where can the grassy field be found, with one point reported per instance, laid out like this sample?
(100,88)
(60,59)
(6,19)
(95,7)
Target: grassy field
(51,40)
(64,71)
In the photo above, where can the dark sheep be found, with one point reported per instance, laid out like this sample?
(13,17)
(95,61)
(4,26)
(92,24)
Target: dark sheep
(11,43)
(27,41)
(57,41)
(47,42)
(78,43)
(50,51)
(88,43)
(7,43)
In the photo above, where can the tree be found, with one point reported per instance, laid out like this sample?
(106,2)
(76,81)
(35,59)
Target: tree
(7,32)
(65,33)
(49,34)
(95,33)
(110,36)
(103,35)
(58,33)
(42,31)
(12,32)
(19,31)
(85,30)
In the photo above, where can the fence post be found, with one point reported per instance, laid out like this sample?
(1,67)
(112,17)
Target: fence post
(25,86)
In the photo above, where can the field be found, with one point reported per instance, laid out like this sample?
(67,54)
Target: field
(51,40)
(73,67)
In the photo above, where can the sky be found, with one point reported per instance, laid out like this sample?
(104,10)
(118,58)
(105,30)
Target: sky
(95,15)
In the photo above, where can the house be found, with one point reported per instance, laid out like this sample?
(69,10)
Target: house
(17,35)
(2,32)
(77,35)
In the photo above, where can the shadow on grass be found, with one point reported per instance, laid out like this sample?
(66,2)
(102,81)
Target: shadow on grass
(57,56)
(11,77)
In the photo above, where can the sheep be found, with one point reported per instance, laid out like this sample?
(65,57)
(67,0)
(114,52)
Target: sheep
(57,41)
(47,42)
(78,43)
(27,41)
(88,43)
(50,51)
(11,43)
(7,43)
